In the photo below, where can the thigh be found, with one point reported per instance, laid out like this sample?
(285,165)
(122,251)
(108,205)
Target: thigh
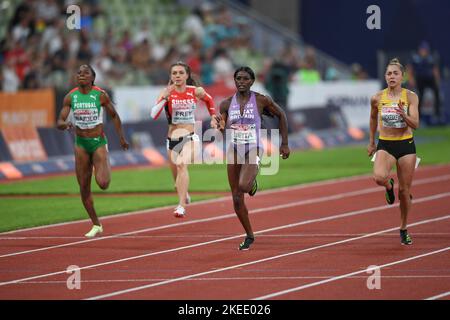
(384,162)
(101,163)
(233,171)
(83,166)
(405,170)
(188,153)
(248,173)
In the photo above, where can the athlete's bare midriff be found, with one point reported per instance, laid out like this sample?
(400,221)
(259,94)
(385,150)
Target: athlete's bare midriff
(90,133)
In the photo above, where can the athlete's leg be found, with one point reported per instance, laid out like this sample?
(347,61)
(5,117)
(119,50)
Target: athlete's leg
(184,158)
(247,177)
(173,168)
(382,168)
(102,167)
(234,172)
(83,169)
(405,173)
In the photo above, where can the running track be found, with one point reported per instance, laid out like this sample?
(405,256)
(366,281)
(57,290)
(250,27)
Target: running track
(314,241)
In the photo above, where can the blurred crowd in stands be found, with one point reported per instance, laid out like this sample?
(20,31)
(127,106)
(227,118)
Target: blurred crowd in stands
(38,50)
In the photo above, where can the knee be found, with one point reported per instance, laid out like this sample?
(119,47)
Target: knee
(245,186)
(380,179)
(103,184)
(181,168)
(237,201)
(85,193)
(403,192)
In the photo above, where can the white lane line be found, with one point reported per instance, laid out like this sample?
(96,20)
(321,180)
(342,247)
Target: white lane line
(271,191)
(283,292)
(439,296)
(190,236)
(232,279)
(120,292)
(230,215)
(343,215)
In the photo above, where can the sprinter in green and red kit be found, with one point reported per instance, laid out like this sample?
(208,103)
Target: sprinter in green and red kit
(91,146)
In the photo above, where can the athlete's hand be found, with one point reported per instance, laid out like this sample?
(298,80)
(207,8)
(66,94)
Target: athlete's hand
(167,90)
(371,149)
(69,125)
(217,122)
(284,151)
(400,108)
(124,143)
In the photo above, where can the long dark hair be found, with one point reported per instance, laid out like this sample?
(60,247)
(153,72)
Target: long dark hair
(190,81)
(245,69)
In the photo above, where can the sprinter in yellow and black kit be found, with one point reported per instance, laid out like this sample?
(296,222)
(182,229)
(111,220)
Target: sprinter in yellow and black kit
(395,112)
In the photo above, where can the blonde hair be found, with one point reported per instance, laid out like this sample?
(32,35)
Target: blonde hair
(396,62)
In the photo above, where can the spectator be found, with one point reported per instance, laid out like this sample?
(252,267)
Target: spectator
(11,81)
(423,72)
(308,73)
(194,23)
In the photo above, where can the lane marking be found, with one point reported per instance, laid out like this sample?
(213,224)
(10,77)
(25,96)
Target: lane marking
(120,292)
(442,295)
(343,215)
(295,289)
(232,215)
(275,190)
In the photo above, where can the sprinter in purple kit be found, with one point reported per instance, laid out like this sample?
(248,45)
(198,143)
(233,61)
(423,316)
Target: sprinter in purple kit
(241,116)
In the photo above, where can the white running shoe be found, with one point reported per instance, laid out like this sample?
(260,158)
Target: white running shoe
(179,212)
(94,231)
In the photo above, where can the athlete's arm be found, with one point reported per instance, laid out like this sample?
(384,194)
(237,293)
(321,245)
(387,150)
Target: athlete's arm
(412,117)
(374,101)
(61,123)
(221,119)
(273,108)
(157,108)
(162,100)
(206,98)
(106,102)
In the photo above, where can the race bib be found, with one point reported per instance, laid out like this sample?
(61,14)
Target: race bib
(390,118)
(183,116)
(243,133)
(86,118)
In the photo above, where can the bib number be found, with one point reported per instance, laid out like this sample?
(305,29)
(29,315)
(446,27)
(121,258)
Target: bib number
(243,133)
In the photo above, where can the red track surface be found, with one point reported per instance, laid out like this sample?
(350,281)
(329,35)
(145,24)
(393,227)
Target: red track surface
(312,242)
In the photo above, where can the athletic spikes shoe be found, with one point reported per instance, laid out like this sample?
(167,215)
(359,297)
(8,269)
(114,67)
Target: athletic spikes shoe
(390,196)
(179,212)
(254,188)
(245,245)
(405,238)
(94,231)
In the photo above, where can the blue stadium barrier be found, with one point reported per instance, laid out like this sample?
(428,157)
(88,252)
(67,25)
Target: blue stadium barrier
(5,155)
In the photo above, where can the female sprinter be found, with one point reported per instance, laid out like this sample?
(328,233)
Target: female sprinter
(394,111)
(241,115)
(91,152)
(179,100)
